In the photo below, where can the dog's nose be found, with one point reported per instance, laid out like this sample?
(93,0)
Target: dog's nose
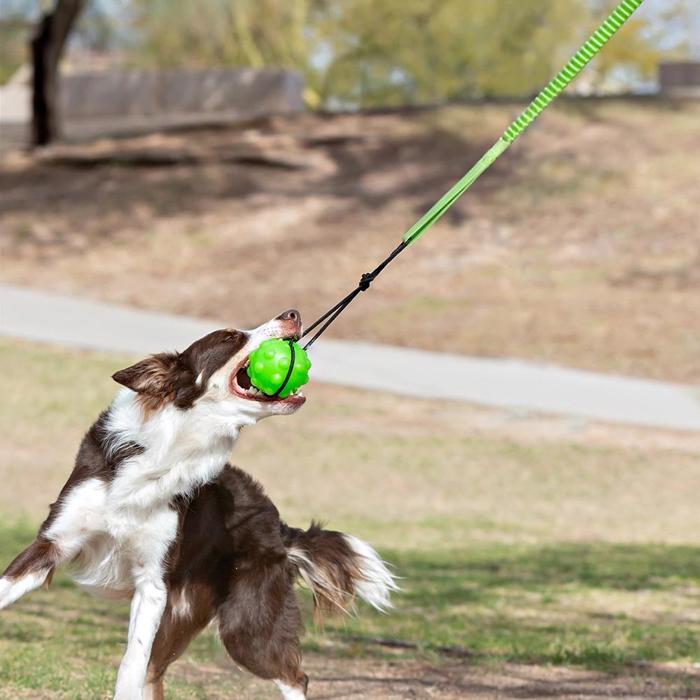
(290,315)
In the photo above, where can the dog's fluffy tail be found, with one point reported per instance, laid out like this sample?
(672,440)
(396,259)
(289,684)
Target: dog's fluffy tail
(338,568)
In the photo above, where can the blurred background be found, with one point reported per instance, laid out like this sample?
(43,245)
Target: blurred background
(511,414)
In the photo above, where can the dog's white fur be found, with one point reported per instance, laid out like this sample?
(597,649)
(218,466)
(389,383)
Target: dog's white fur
(122,530)
(289,693)
(10,591)
(376,581)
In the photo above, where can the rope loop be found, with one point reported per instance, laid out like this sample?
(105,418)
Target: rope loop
(290,369)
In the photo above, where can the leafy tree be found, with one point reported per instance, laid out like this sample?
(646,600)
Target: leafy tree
(256,33)
(15,24)
(378,52)
(169,33)
(367,52)
(416,51)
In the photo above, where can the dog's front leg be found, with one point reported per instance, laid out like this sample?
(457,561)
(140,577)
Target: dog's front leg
(147,607)
(133,611)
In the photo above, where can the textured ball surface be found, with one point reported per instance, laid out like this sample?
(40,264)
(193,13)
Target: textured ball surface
(269,363)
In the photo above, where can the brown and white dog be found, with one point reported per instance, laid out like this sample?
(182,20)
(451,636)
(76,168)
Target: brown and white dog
(153,512)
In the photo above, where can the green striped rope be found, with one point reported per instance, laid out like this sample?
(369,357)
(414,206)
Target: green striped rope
(578,62)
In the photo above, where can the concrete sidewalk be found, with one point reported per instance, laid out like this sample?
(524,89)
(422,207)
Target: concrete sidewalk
(506,384)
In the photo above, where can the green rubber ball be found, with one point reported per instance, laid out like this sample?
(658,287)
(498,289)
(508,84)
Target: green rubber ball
(269,363)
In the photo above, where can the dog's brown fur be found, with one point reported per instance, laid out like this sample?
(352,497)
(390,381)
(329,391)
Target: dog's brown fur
(230,561)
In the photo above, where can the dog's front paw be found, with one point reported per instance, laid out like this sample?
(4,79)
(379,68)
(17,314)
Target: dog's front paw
(128,691)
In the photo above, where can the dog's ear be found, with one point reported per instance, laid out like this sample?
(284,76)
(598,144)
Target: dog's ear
(155,376)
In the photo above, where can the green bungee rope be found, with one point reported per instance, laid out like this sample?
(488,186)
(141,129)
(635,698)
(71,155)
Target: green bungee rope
(578,62)
(268,375)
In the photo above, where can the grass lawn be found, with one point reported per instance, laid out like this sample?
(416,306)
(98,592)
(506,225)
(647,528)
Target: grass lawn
(515,545)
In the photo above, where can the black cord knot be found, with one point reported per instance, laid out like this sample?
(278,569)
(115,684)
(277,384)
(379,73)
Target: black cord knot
(335,311)
(366,279)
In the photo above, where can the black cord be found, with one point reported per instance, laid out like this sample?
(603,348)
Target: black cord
(362,286)
(289,371)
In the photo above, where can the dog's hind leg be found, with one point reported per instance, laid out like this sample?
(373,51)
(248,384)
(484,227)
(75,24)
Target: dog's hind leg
(259,624)
(29,570)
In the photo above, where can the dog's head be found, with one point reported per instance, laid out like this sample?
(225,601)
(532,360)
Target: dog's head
(211,377)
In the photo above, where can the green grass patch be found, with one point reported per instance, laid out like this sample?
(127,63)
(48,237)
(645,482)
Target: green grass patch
(597,606)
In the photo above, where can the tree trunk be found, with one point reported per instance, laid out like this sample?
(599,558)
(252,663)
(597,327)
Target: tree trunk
(47,46)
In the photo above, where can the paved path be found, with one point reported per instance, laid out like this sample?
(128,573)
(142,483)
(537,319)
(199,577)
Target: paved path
(506,384)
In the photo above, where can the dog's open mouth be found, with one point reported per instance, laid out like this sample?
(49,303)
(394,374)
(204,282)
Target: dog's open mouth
(242,386)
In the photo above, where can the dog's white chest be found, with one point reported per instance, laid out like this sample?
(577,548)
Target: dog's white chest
(114,543)
(131,544)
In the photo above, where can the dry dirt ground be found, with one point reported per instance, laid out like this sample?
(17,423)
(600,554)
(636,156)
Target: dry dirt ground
(581,246)
(398,680)
(414,680)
